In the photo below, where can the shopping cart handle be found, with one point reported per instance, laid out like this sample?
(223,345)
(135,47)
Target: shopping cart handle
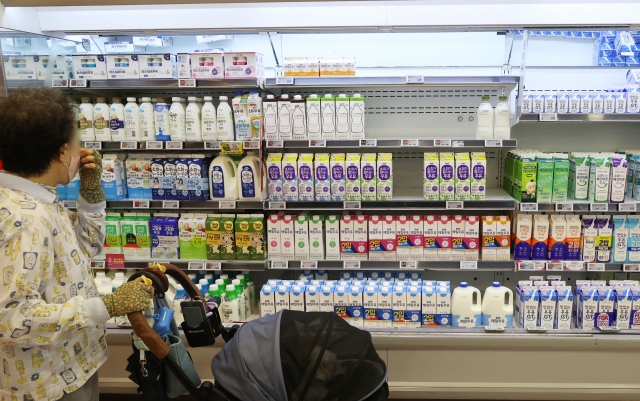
(150,338)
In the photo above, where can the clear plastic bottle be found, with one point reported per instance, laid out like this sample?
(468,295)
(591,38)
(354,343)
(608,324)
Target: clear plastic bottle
(147,120)
(485,119)
(177,118)
(116,120)
(85,120)
(193,121)
(101,120)
(502,128)
(209,122)
(224,118)
(132,120)
(161,114)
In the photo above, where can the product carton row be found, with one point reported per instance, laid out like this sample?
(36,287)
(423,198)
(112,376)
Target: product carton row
(624,100)
(319,67)
(455,176)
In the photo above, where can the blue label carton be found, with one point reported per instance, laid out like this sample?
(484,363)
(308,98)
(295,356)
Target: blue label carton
(182,178)
(157,178)
(165,242)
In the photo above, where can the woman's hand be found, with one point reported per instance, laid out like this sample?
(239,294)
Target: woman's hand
(87,158)
(90,176)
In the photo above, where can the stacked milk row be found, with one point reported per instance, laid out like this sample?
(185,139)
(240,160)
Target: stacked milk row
(459,176)
(494,123)
(319,67)
(314,117)
(330,177)
(364,303)
(237,295)
(618,49)
(627,102)
(633,174)
(599,305)
(547,304)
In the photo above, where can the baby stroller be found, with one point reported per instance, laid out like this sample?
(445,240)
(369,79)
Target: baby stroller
(289,356)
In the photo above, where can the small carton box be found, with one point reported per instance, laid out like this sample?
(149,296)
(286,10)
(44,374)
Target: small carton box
(443,240)
(633,244)
(443,305)
(489,244)
(287,236)
(620,239)
(312,298)
(560,178)
(430,237)
(618,179)
(478,176)
(370,304)
(357,115)
(604,239)
(368,176)
(88,66)
(527,307)
(599,175)
(290,176)
(158,66)
(471,238)
(429,306)
(399,305)
(623,307)
(305,177)
(544,181)
(214,236)
(540,237)
(267,300)
(447,182)
(123,66)
(557,237)
(384,311)
(274,176)
(322,177)
(354,180)
(338,179)
(326,298)
(316,237)
(257,231)
(332,235)
(564,308)
(243,65)
(183,65)
(207,65)
(503,238)
(294,66)
(589,236)
(457,237)
(355,308)
(547,309)
(282,297)
(347,66)
(384,178)
(462,177)
(347,250)
(59,70)
(227,237)
(578,176)
(431,188)
(330,66)
(301,226)
(573,239)
(273,237)
(296,297)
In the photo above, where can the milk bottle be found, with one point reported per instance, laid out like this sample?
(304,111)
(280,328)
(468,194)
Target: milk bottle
(116,120)
(193,121)
(101,120)
(209,121)
(497,306)
(224,120)
(147,120)
(502,127)
(132,120)
(177,123)
(466,309)
(161,113)
(299,118)
(85,120)
(485,119)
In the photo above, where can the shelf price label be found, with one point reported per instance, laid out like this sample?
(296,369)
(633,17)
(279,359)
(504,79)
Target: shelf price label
(631,267)
(279,264)
(128,145)
(93,145)
(227,205)
(196,266)
(170,204)
(528,207)
(574,266)
(251,145)
(627,207)
(212,145)
(70,204)
(525,265)
(442,143)
(493,143)
(78,83)
(408,264)
(308,264)
(97,264)
(595,267)
(176,145)
(457,144)
(153,145)
(368,143)
(187,83)
(284,81)
(277,205)
(455,205)
(275,143)
(555,266)
(468,265)
(59,83)
(351,264)
(599,207)
(317,143)
(213,266)
(352,205)
(141,204)
(548,117)
(564,207)
(409,142)
(415,79)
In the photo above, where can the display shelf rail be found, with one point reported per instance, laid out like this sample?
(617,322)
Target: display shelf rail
(167,146)
(393,144)
(581,118)
(409,265)
(531,266)
(184,205)
(570,205)
(163,84)
(199,265)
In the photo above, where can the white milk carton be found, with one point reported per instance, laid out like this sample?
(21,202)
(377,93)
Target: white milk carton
(322,177)
(305,177)
(540,237)
(413,313)
(370,304)
(457,237)
(489,244)
(587,307)
(562,103)
(326,298)
(597,104)
(312,298)
(447,173)
(296,298)
(376,251)
(290,177)
(633,244)
(431,187)
(346,237)
(573,239)
(273,237)
(623,307)
(343,125)
(471,238)
(316,237)
(527,104)
(389,240)
(599,176)
(443,240)
(416,237)
(301,226)
(462,177)
(634,320)
(287,236)
(430,234)
(589,235)
(341,300)
(368,172)
(549,103)
(618,179)
(547,309)
(604,239)
(564,308)
(606,307)
(538,103)
(357,116)
(384,177)
(428,307)
(586,104)
(478,176)
(620,238)
(403,225)
(527,306)
(503,238)
(274,175)
(399,306)
(353,177)
(355,308)
(267,301)
(338,179)
(557,237)
(384,311)
(443,305)
(282,297)
(360,237)
(332,237)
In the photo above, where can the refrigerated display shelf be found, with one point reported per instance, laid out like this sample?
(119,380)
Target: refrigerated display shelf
(581,118)
(408,265)
(629,205)
(211,265)
(406,144)
(185,205)
(164,84)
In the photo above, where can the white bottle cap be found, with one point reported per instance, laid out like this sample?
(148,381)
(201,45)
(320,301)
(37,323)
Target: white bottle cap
(220,281)
(313,95)
(230,287)
(203,281)
(100,274)
(120,274)
(199,287)
(223,98)
(175,99)
(214,287)
(179,287)
(106,281)
(192,98)
(224,276)
(285,96)
(208,98)
(297,97)
(239,276)
(208,275)
(235,281)
(146,99)
(270,97)
(342,95)
(131,99)
(192,275)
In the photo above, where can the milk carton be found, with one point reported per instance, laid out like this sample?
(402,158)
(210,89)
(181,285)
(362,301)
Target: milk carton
(370,304)
(384,311)
(623,307)
(428,306)
(538,103)
(274,176)
(332,236)
(86,66)
(301,227)
(544,181)
(579,176)
(443,305)
(573,239)
(182,177)
(457,237)
(328,114)
(353,178)
(112,177)
(316,237)
(123,66)
(539,243)
(267,300)
(368,172)
(389,241)
(478,176)
(633,244)
(305,177)
(564,308)
(606,307)
(416,237)
(618,179)
(164,237)
(586,307)
(547,308)
(586,104)
(443,240)
(620,239)
(560,178)
(360,237)
(312,298)
(384,178)
(524,177)
(207,65)
(431,179)
(282,298)
(413,313)
(273,237)
(157,177)
(326,298)
(523,232)
(355,309)
(287,236)
(471,238)
(322,177)
(290,177)
(557,237)
(399,306)
(402,237)
(227,237)
(503,238)
(430,235)
(447,181)
(462,177)
(296,298)
(214,236)
(343,125)
(527,306)
(597,104)
(604,238)
(341,300)
(375,238)
(113,236)
(599,175)
(347,250)
(489,232)
(589,236)
(338,179)
(634,320)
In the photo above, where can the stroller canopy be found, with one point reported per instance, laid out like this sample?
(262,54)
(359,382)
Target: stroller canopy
(296,356)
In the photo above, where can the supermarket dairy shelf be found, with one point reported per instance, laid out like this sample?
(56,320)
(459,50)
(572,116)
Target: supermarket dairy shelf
(392,144)
(124,84)
(580,118)
(629,205)
(509,82)
(209,265)
(184,205)
(352,264)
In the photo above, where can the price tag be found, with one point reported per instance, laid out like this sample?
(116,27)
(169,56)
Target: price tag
(277,205)
(97,264)
(70,204)
(279,264)
(595,267)
(529,207)
(141,204)
(493,143)
(548,117)
(555,266)
(415,79)
(309,264)
(170,204)
(251,144)
(494,329)
(213,145)
(119,47)
(525,265)
(227,205)
(455,205)
(536,329)
(457,144)
(351,205)
(317,143)
(128,145)
(59,83)
(468,265)
(196,266)
(368,143)
(231,147)
(409,142)
(442,143)
(78,83)
(631,267)
(564,207)
(627,207)
(93,145)
(187,83)
(408,264)
(574,266)
(213,266)
(275,144)
(177,145)
(609,329)
(599,207)
(153,145)
(351,264)
(284,80)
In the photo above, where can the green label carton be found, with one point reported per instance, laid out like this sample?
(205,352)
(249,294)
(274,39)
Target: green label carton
(544,181)
(214,236)
(243,236)
(227,237)
(257,230)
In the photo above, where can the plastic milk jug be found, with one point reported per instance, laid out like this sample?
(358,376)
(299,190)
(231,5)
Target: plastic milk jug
(497,306)
(249,185)
(222,178)
(466,309)
(177,120)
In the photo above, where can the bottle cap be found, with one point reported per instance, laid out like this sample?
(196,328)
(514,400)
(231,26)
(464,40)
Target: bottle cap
(146,99)
(464,284)
(192,98)
(223,98)
(131,99)
(486,98)
(208,98)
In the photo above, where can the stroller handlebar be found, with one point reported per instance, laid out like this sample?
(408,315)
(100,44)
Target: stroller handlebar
(151,339)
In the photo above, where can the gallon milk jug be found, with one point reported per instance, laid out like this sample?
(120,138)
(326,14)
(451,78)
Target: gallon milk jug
(222,178)
(497,306)
(248,177)
(85,120)
(485,119)
(502,128)
(466,310)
